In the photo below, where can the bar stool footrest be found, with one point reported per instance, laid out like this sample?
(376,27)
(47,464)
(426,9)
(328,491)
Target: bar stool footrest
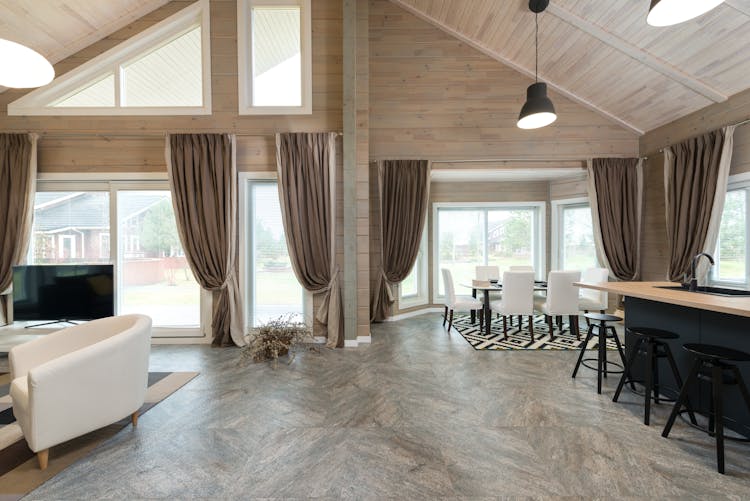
(705,429)
(608,362)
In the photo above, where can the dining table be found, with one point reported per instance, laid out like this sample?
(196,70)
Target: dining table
(493,287)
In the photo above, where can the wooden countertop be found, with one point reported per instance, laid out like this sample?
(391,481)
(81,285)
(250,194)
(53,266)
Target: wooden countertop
(649,290)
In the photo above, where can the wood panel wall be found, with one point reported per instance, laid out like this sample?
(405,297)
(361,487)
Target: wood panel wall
(434,97)
(120,144)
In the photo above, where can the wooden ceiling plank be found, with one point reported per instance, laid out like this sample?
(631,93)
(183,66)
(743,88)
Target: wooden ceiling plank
(637,54)
(512,64)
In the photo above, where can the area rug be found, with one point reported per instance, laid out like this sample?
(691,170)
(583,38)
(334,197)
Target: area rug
(520,339)
(19,470)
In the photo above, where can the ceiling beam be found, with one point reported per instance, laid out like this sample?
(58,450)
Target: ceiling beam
(637,53)
(739,6)
(512,64)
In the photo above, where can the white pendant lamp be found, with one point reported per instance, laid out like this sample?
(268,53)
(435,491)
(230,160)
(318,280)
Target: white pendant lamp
(538,110)
(23,68)
(669,12)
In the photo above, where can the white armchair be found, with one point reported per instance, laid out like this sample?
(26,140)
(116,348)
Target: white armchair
(591,299)
(561,300)
(79,379)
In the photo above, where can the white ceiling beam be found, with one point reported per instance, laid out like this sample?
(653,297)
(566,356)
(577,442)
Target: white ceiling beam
(512,64)
(637,53)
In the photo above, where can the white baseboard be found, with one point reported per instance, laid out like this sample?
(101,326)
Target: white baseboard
(410,314)
(351,343)
(364,339)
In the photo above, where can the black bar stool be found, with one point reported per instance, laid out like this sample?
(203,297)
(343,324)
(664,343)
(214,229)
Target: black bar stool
(650,342)
(712,363)
(604,331)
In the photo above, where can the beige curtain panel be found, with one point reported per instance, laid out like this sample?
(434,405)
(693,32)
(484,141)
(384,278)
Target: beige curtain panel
(696,173)
(615,188)
(306,176)
(404,187)
(17,190)
(203,179)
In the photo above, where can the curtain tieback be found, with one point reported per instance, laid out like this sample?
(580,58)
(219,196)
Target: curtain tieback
(331,288)
(386,283)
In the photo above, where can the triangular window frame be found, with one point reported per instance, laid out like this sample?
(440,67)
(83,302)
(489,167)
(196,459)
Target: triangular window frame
(40,102)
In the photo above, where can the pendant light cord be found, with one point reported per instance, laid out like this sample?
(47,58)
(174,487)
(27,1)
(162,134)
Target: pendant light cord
(536,48)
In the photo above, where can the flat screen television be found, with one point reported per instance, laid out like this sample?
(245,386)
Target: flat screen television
(63,292)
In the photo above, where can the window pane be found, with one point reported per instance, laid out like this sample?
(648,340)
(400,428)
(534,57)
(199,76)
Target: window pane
(154,276)
(68,228)
(461,245)
(276,56)
(730,265)
(99,93)
(410,285)
(510,237)
(275,290)
(578,250)
(172,75)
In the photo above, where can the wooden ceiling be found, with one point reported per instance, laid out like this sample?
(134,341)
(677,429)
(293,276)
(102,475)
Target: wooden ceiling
(604,55)
(60,28)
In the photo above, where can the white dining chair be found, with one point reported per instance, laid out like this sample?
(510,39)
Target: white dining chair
(561,300)
(518,299)
(520,268)
(592,299)
(461,303)
(487,273)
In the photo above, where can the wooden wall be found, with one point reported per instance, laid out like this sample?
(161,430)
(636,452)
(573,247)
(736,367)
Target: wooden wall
(434,97)
(120,144)
(136,144)
(654,253)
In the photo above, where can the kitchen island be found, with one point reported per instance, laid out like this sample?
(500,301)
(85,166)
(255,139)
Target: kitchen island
(697,318)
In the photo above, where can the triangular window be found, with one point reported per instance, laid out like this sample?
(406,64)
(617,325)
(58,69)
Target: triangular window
(163,70)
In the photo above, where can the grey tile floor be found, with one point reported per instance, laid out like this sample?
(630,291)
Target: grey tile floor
(418,414)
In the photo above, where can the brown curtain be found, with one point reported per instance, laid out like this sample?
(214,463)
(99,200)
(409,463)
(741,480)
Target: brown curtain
(616,197)
(17,190)
(306,174)
(203,180)
(695,181)
(404,187)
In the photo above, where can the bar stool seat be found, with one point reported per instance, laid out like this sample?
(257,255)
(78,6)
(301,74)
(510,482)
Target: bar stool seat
(650,343)
(716,364)
(604,332)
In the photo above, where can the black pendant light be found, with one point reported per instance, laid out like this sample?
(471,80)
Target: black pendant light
(669,12)
(538,111)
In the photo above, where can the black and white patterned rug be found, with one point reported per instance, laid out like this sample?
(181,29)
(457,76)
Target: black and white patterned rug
(520,339)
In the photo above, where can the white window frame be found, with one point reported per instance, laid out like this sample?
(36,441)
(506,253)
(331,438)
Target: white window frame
(736,182)
(244,58)
(421,298)
(82,182)
(38,102)
(557,208)
(540,265)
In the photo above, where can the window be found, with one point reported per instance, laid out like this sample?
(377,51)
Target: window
(163,70)
(67,227)
(413,289)
(493,234)
(573,239)
(152,274)
(273,288)
(274,57)
(731,252)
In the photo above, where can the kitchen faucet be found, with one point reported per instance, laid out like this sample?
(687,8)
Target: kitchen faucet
(694,280)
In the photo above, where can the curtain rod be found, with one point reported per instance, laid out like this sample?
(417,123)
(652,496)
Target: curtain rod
(147,135)
(737,124)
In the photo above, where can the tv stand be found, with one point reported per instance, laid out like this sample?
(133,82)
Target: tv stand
(60,321)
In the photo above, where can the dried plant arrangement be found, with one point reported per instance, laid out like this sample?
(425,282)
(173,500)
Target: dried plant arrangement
(276,338)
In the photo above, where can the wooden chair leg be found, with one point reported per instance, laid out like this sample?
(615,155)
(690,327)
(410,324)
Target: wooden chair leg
(505,327)
(450,321)
(134,419)
(551,323)
(481,319)
(573,321)
(445,315)
(588,322)
(43,458)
